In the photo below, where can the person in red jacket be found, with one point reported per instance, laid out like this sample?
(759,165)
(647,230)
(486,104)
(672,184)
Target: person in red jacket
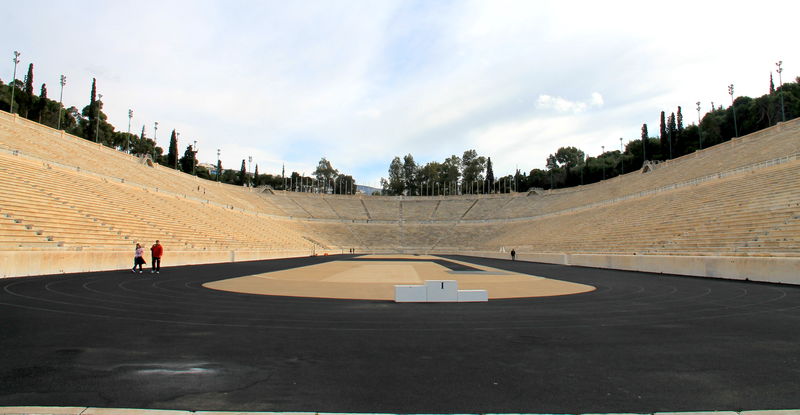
(156,250)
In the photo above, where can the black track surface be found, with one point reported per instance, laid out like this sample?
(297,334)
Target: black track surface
(639,343)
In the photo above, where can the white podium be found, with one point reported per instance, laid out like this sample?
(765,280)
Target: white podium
(437,291)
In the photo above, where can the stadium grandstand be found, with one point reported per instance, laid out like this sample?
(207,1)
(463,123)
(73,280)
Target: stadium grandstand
(729,211)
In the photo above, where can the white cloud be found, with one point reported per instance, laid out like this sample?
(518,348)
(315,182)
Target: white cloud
(563,105)
(369,113)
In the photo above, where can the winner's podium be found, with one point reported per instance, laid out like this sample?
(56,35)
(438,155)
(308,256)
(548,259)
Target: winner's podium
(437,291)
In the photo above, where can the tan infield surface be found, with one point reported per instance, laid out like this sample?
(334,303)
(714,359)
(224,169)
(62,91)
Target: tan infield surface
(375,280)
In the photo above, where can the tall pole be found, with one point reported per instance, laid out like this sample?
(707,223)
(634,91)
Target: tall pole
(699,130)
(218,166)
(621,156)
(735,127)
(669,140)
(155,143)
(780,81)
(97,123)
(130,116)
(177,137)
(604,161)
(14,79)
(249,168)
(63,82)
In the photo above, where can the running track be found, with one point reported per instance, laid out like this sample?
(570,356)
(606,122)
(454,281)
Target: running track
(639,343)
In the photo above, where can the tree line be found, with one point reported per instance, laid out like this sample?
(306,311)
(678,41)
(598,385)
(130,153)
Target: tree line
(570,166)
(468,174)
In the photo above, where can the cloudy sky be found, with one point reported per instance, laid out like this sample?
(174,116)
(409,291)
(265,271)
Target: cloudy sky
(359,82)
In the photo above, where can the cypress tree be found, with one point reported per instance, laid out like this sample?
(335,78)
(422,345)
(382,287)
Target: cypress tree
(670,131)
(680,119)
(663,135)
(256,182)
(644,143)
(41,104)
(243,173)
(29,82)
(172,155)
(135,148)
(90,113)
(26,100)
(771,84)
(489,174)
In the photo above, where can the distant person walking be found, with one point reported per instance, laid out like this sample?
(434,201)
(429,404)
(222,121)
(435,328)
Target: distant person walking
(138,258)
(156,250)
(513,255)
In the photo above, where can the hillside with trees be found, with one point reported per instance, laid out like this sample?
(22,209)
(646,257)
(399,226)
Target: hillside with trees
(569,166)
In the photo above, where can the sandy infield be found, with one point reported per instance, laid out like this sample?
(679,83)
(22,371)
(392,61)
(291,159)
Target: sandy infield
(375,279)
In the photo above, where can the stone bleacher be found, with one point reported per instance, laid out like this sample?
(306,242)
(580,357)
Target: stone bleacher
(62,193)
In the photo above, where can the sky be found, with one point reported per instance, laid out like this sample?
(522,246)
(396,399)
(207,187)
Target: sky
(360,82)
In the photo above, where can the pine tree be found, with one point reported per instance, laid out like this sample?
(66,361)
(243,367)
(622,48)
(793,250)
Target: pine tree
(43,92)
(188,161)
(172,154)
(680,119)
(489,174)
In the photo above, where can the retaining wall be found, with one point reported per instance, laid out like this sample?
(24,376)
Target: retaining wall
(25,263)
(784,270)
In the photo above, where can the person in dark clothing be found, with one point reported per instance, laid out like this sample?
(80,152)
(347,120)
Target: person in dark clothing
(156,251)
(513,254)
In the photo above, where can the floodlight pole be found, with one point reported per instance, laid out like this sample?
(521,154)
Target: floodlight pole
(218,165)
(155,142)
(250,168)
(621,154)
(130,116)
(604,161)
(97,123)
(699,130)
(735,127)
(780,81)
(63,82)
(14,79)
(177,136)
